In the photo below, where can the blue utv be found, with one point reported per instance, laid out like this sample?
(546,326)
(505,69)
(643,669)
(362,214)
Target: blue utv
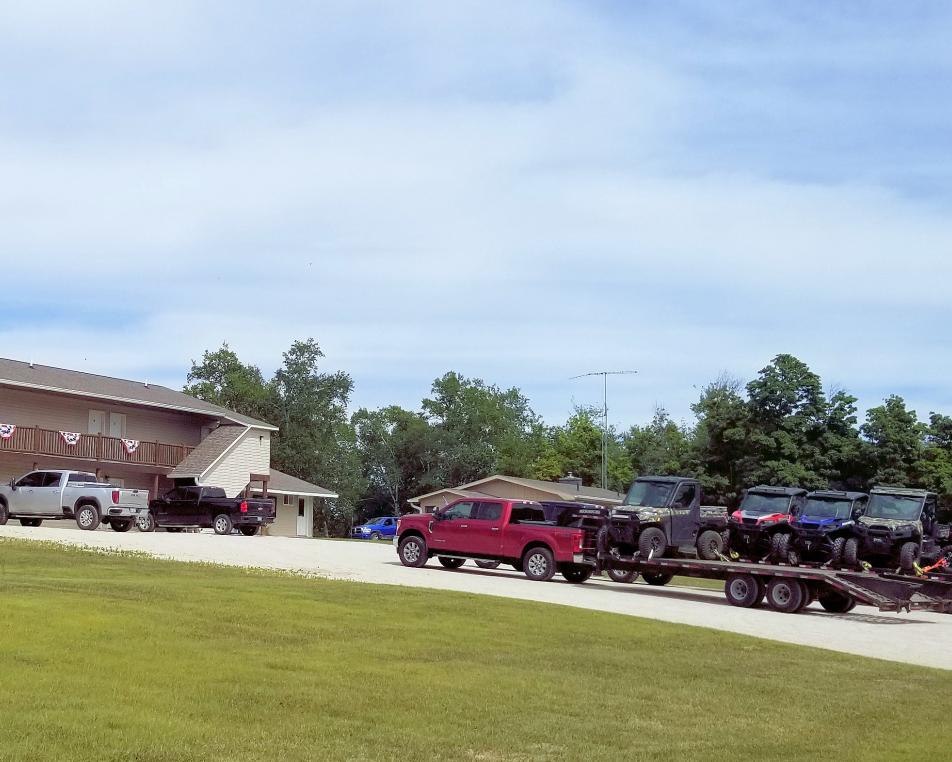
(824,524)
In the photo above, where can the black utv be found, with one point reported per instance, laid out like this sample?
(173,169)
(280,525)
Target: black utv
(823,526)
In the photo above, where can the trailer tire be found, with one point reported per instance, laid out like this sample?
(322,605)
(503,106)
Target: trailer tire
(851,553)
(412,551)
(908,555)
(576,573)
(487,564)
(786,595)
(836,556)
(710,545)
(622,576)
(450,563)
(836,602)
(743,590)
(538,564)
(658,579)
(652,543)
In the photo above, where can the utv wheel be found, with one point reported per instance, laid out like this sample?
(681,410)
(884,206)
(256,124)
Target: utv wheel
(87,517)
(222,524)
(780,544)
(657,578)
(145,522)
(4,514)
(836,602)
(576,573)
(487,564)
(621,575)
(450,563)
(120,525)
(539,564)
(908,555)
(786,595)
(710,545)
(248,531)
(743,590)
(836,557)
(412,551)
(851,553)
(652,542)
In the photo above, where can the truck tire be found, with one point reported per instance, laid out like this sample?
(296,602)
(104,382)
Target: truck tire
(576,573)
(87,517)
(120,525)
(836,602)
(487,564)
(375,535)
(743,590)
(652,542)
(836,556)
(624,576)
(539,564)
(222,524)
(658,579)
(908,555)
(249,531)
(786,595)
(710,545)
(450,563)
(851,553)
(30,522)
(4,514)
(412,551)
(145,522)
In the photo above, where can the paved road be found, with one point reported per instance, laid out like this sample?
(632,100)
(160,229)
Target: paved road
(916,638)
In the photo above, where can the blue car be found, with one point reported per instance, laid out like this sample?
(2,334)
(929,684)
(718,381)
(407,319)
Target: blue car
(375,529)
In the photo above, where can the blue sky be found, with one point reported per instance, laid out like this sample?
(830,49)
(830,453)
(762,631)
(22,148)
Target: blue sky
(518,191)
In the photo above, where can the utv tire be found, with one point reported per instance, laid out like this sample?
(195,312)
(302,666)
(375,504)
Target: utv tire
(539,564)
(836,557)
(222,524)
(743,590)
(145,522)
(249,531)
(652,542)
(786,595)
(851,553)
(412,551)
(450,563)
(576,573)
(622,576)
(908,555)
(780,544)
(120,525)
(487,564)
(87,517)
(710,545)
(657,579)
(836,602)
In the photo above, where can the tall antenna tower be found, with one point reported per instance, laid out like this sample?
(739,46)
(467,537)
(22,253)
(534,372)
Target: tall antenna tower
(605,374)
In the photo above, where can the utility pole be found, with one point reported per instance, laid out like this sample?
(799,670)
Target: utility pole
(605,374)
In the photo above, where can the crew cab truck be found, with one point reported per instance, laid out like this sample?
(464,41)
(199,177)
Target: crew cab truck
(899,528)
(663,516)
(376,528)
(759,530)
(200,506)
(824,525)
(496,531)
(60,494)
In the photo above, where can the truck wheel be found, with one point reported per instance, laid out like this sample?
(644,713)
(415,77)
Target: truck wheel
(145,522)
(487,564)
(539,564)
(622,575)
(248,531)
(851,553)
(786,595)
(121,525)
(908,555)
(710,545)
(836,602)
(657,579)
(836,557)
(222,524)
(576,574)
(87,517)
(4,514)
(652,542)
(743,590)
(375,535)
(450,563)
(412,551)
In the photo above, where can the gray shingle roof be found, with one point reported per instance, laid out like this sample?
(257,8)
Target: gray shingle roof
(209,450)
(47,378)
(281,482)
(562,490)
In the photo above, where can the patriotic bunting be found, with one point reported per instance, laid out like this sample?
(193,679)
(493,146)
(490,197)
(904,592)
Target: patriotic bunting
(7,430)
(131,445)
(70,437)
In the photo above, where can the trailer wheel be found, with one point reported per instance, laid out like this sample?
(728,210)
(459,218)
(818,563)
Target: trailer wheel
(743,590)
(657,578)
(785,594)
(450,563)
(908,555)
(652,543)
(836,557)
(539,564)
(487,564)
(836,602)
(623,576)
(851,553)
(710,545)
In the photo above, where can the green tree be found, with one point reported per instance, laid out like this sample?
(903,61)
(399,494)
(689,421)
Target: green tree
(898,442)
(221,378)
(935,467)
(661,447)
(720,445)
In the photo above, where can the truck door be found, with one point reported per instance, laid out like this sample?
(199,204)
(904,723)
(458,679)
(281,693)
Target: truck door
(47,496)
(683,517)
(24,499)
(450,531)
(484,536)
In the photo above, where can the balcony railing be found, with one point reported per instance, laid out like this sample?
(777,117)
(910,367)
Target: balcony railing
(97,447)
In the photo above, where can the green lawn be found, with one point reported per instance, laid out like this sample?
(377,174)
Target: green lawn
(118,657)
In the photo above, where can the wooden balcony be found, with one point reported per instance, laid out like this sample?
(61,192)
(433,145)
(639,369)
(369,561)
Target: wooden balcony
(94,447)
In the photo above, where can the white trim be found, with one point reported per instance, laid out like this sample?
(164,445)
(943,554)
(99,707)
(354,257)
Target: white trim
(295,492)
(225,451)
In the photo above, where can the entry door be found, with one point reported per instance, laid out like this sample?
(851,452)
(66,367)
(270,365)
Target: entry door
(302,528)
(117,425)
(451,531)
(97,421)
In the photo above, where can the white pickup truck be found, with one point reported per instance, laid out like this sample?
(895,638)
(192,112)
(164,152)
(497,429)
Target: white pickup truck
(55,494)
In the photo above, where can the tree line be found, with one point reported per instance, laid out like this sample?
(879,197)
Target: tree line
(780,428)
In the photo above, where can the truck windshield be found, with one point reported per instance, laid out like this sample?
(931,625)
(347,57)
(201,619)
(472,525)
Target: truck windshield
(757,503)
(894,507)
(828,508)
(649,494)
(378,520)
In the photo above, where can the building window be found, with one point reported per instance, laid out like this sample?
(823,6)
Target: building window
(287,500)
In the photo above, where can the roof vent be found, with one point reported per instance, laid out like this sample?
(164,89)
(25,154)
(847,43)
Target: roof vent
(575,481)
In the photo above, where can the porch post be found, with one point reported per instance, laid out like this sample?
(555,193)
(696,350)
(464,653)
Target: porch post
(155,485)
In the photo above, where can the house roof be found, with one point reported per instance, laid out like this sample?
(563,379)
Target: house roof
(281,483)
(565,491)
(208,452)
(46,378)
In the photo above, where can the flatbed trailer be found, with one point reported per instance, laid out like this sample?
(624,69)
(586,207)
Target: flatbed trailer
(791,588)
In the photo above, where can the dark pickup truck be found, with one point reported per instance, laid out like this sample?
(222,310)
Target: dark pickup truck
(206,507)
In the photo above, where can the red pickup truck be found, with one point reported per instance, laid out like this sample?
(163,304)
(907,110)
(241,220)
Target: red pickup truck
(493,531)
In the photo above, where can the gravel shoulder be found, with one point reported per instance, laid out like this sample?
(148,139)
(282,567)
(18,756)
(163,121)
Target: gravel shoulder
(921,638)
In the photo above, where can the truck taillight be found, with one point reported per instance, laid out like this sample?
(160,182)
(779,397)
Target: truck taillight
(244,506)
(577,540)
(115,497)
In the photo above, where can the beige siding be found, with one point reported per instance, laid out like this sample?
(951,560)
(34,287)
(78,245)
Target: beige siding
(285,523)
(437,500)
(249,455)
(510,491)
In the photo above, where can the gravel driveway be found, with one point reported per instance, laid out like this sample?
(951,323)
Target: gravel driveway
(916,638)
